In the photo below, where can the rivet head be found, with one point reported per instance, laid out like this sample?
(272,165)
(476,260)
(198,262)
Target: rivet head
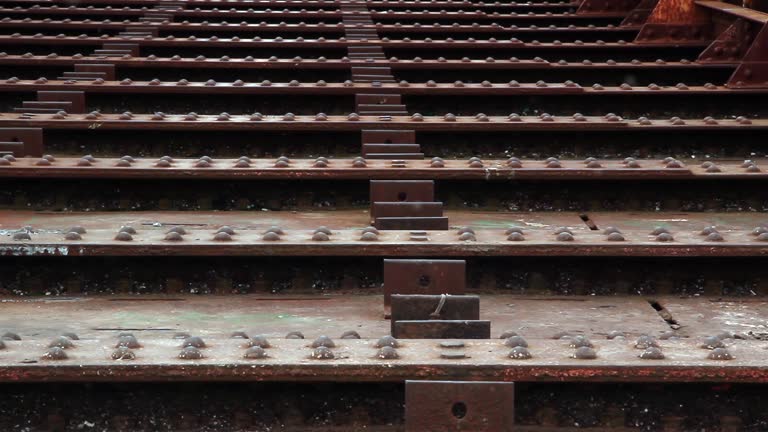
(564,236)
(322,353)
(294,335)
(350,334)
(615,237)
(190,353)
(123,236)
(21,236)
(271,236)
(274,229)
(193,341)
(519,353)
(259,341)
(387,353)
(255,353)
(128,341)
(712,342)
(222,236)
(173,236)
(593,164)
(714,237)
(227,230)
(516,236)
(580,341)
(646,341)
(515,341)
(239,335)
(759,230)
(659,230)
(387,341)
(323,341)
(62,342)
(720,354)
(77,229)
(584,353)
(55,353)
(70,336)
(123,353)
(652,353)
(665,237)
(319,236)
(10,336)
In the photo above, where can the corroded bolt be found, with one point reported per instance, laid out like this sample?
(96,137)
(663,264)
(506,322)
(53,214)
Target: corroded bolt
(646,341)
(515,341)
(128,341)
(579,341)
(61,342)
(193,341)
(271,236)
(323,341)
(322,353)
(123,353)
(615,237)
(259,341)
(387,353)
(55,353)
(712,342)
(714,237)
(720,354)
(350,334)
(610,230)
(295,335)
(190,353)
(584,353)
(255,353)
(652,353)
(388,340)
(564,236)
(659,230)
(665,237)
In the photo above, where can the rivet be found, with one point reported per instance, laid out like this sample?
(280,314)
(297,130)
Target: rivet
(190,353)
(270,236)
(61,342)
(11,336)
(323,341)
(712,342)
(515,236)
(615,333)
(387,341)
(239,335)
(714,237)
(665,237)
(515,341)
(123,236)
(55,353)
(720,354)
(652,353)
(295,335)
(646,341)
(193,341)
(21,236)
(387,353)
(580,341)
(369,236)
(255,353)
(123,353)
(584,353)
(322,353)
(519,353)
(174,236)
(274,229)
(43,162)
(128,341)
(259,341)
(659,230)
(319,236)
(226,229)
(350,334)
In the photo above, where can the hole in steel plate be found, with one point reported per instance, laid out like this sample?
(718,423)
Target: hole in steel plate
(401,196)
(425,280)
(459,410)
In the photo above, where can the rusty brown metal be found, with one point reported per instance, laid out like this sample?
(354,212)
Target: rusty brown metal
(438,406)
(423,277)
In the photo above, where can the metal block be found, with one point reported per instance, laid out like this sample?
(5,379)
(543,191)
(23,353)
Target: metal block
(423,277)
(388,136)
(406,209)
(107,69)
(402,190)
(418,307)
(411,223)
(32,139)
(390,148)
(76,97)
(441,406)
(441,329)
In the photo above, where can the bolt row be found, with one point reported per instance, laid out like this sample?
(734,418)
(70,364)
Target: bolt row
(515,234)
(322,347)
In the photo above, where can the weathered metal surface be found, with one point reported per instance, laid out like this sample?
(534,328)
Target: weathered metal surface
(423,277)
(437,317)
(438,406)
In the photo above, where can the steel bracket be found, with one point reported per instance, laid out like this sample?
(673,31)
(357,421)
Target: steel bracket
(441,406)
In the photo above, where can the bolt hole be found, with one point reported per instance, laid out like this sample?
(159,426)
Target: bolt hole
(402,196)
(424,281)
(387,141)
(459,410)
